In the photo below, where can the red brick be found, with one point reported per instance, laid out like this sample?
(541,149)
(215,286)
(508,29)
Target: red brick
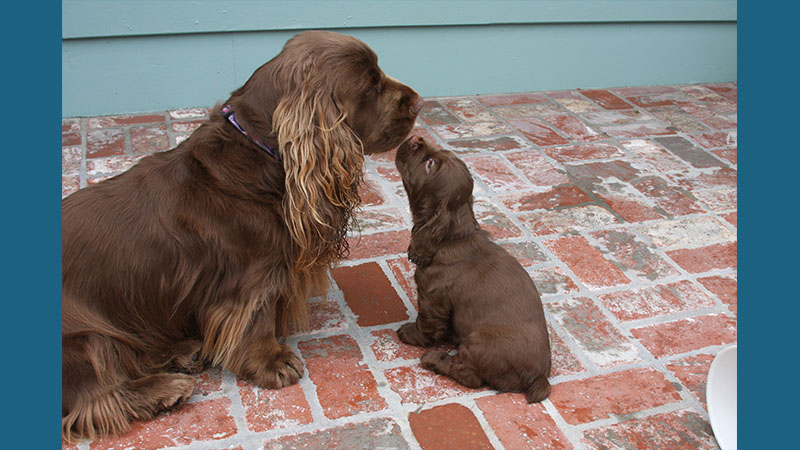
(68,139)
(387,347)
(345,386)
(668,198)
(556,197)
(119,121)
(433,113)
(536,167)
(728,154)
(495,173)
(662,99)
(553,281)
(540,110)
(678,120)
(188,113)
(703,259)
(685,335)
(511,99)
(708,116)
(471,130)
(69,184)
(403,271)
(69,125)
(619,117)
(724,177)
(100,143)
(574,101)
(447,427)
(724,287)
(587,262)
(575,129)
(596,337)
(632,255)
(692,371)
(369,294)
(582,152)
(526,252)
(618,393)
(416,384)
(375,220)
(378,244)
(208,381)
(687,232)
(193,422)
(378,433)
(145,140)
(496,222)
(715,139)
(636,130)
(567,220)
(623,199)
(730,218)
(274,409)
(727,90)
(491,144)
(563,360)
(677,430)
(652,154)
(643,90)
(701,93)
(324,315)
(537,131)
(469,110)
(111,165)
(187,127)
(520,425)
(71,159)
(605,99)
(656,300)
(718,200)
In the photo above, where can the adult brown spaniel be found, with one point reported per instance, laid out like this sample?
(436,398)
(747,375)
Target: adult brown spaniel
(208,252)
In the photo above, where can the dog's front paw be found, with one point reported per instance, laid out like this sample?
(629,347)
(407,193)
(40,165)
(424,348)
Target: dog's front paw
(284,369)
(410,334)
(432,359)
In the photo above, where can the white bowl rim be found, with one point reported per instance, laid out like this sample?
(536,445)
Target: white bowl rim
(723,355)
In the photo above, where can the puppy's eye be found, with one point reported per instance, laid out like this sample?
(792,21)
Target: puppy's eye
(429,163)
(378,89)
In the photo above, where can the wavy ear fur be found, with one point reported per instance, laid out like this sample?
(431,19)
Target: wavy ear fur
(427,236)
(323,161)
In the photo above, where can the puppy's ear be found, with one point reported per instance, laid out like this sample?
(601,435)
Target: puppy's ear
(427,236)
(323,160)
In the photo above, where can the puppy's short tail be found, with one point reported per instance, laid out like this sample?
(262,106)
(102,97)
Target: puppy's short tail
(538,390)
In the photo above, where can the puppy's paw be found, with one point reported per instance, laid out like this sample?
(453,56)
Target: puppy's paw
(432,359)
(410,334)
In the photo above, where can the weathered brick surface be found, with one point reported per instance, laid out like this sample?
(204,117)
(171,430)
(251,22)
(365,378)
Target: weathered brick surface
(620,203)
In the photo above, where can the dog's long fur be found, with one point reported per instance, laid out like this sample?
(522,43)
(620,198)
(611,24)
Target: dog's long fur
(471,291)
(208,252)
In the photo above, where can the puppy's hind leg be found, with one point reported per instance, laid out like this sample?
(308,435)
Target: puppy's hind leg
(452,366)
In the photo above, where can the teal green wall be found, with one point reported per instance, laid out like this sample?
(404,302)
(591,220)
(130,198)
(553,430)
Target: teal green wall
(136,56)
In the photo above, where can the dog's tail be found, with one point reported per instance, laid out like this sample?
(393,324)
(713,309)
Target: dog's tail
(538,390)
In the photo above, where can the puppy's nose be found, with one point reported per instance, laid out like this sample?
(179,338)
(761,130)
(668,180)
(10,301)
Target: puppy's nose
(417,106)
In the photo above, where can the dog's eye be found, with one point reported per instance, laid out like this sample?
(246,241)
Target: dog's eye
(429,163)
(378,89)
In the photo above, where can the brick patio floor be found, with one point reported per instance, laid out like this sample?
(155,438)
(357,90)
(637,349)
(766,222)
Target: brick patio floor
(621,204)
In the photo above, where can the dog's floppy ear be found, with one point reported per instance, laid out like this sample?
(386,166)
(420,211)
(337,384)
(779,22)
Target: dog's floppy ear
(323,160)
(427,236)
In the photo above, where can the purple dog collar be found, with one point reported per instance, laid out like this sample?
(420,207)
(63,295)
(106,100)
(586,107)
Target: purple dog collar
(227,111)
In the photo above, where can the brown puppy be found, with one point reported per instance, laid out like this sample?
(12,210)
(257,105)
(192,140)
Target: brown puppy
(208,252)
(471,291)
